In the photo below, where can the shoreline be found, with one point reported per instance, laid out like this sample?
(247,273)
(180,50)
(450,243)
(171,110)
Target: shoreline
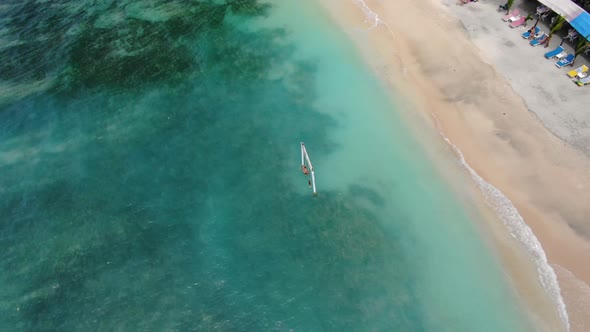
(502,141)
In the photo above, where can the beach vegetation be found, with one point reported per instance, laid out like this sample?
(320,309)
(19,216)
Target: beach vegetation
(555,27)
(581,47)
(529,17)
(509,4)
(536,22)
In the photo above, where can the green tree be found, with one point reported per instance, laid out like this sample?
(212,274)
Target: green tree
(509,4)
(555,27)
(537,21)
(581,47)
(529,17)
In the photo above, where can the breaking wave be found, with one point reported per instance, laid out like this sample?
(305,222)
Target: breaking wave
(520,231)
(502,206)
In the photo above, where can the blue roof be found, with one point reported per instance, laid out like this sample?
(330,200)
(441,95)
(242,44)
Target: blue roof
(582,24)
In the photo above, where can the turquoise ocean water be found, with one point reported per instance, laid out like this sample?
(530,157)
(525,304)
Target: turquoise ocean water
(149,179)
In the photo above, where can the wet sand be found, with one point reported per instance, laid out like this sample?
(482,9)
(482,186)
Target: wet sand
(422,51)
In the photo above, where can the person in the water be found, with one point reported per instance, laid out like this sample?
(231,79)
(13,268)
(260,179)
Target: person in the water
(305,170)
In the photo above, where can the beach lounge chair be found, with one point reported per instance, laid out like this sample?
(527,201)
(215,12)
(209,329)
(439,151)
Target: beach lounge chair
(527,33)
(583,81)
(582,74)
(518,22)
(566,61)
(514,13)
(579,70)
(561,55)
(515,18)
(554,53)
(539,40)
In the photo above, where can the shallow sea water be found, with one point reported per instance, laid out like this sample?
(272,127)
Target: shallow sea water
(149,179)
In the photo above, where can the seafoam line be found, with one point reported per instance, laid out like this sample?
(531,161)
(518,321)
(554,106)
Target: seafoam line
(518,229)
(371,16)
(503,207)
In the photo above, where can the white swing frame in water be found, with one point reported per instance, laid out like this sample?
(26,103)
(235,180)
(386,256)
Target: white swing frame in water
(304,158)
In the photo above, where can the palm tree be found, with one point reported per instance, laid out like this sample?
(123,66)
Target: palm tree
(581,47)
(509,4)
(537,21)
(529,17)
(555,27)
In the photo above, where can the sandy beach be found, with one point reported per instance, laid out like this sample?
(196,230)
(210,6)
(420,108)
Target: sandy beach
(478,94)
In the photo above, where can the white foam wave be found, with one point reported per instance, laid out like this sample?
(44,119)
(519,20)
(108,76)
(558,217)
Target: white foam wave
(502,206)
(519,230)
(583,286)
(371,16)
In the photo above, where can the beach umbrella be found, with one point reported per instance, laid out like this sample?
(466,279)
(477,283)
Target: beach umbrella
(555,27)
(582,24)
(581,47)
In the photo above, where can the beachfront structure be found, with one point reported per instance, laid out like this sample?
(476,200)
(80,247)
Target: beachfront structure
(575,15)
